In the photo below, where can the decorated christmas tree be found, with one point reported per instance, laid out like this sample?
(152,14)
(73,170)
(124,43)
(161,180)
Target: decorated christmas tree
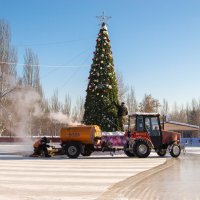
(101,98)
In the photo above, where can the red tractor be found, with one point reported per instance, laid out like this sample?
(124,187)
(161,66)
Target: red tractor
(144,134)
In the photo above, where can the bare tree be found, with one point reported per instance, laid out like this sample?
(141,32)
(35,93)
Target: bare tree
(122,88)
(149,104)
(55,104)
(194,113)
(165,107)
(178,113)
(67,106)
(78,110)
(131,101)
(31,71)
(8,59)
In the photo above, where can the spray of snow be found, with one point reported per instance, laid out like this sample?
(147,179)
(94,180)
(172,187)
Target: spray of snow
(25,106)
(59,117)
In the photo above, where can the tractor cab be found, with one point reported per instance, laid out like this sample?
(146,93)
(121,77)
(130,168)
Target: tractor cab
(146,125)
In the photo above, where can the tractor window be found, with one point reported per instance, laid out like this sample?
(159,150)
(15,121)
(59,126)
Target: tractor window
(155,127)
(147,124)
(132,124)
(140,124)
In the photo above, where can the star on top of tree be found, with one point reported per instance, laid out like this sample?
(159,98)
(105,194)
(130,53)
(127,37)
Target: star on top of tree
(103,20)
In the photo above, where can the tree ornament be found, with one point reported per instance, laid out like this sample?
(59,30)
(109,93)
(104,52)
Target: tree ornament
(102,55)
(102,61)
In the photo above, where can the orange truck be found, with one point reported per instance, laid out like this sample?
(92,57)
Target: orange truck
(76,140)
(85,139)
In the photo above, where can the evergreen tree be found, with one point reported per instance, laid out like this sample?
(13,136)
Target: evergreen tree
(102,93)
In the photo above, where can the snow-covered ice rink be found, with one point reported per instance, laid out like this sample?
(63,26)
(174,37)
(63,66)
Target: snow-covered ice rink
(60,178)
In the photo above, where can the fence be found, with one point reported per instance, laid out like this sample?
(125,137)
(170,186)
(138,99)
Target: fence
(189,142)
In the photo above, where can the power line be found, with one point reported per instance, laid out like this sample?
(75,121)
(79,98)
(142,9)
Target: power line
(72,75)
(69,61)
(47,66)
(52,43)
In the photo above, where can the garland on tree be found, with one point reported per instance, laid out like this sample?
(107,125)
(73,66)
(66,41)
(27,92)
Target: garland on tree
(102,87)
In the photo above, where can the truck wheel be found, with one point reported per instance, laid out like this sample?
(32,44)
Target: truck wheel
(72,150)
(161,152)
(175,150)
(141,149)
(86,153)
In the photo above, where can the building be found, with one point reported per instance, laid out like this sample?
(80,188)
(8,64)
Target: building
(186,130)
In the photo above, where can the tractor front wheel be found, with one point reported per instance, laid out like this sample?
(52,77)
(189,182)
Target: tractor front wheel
(141,149)
(175,150)
(72,150)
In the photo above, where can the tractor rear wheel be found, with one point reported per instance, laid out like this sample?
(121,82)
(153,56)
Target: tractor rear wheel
(72,150)
(175,150)
(141,149)
(127,152)
(161,152)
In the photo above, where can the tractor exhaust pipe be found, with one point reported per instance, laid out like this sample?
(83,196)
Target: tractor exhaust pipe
(163,122)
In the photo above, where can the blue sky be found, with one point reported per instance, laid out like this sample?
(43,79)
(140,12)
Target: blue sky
(155,43)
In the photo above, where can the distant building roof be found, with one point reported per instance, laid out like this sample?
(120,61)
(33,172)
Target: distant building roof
(143,113)
(178,126)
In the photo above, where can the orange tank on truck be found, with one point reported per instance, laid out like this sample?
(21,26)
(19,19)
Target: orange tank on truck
(82,134)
